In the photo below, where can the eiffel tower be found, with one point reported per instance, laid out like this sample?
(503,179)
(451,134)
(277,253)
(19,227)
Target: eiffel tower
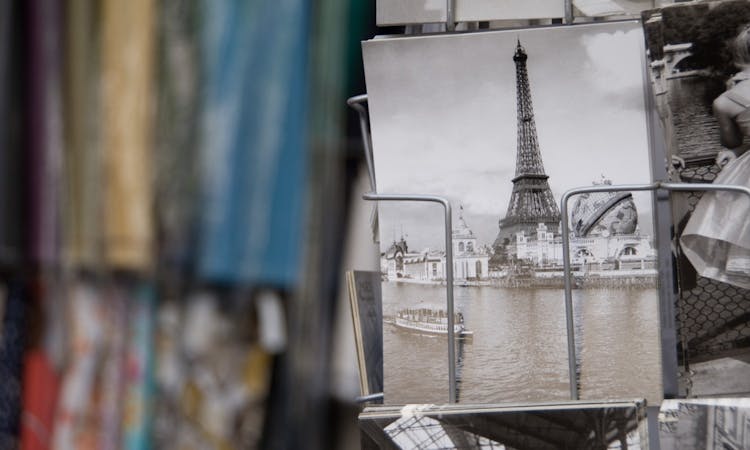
(531,201)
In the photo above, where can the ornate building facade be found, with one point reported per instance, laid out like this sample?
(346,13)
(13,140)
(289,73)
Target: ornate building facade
(470,260)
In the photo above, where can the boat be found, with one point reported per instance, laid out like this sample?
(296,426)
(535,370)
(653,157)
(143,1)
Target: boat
(430,321)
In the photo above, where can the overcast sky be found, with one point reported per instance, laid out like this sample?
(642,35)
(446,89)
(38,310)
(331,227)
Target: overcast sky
(443,118)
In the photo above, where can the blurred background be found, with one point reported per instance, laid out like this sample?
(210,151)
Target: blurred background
(175,178)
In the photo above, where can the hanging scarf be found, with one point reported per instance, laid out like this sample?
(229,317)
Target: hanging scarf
(127,63)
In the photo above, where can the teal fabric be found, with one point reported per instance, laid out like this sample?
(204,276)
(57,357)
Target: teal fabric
(139,382)
(254,141)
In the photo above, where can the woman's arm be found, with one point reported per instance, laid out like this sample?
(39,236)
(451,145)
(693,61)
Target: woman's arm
(725,111)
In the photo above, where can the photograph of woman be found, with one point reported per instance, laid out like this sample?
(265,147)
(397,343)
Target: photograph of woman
(716,239)
(699,66)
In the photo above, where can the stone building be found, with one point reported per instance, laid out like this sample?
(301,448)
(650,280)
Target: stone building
(470,260)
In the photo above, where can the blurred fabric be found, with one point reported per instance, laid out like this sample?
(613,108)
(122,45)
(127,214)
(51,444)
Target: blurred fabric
(11,360)
(127,126)
(12,205)
(253,151)
(170,179)
(82,156)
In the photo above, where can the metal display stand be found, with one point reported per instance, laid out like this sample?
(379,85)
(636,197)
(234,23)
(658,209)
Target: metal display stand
(358,103)
(448,272)
(653,187)
(450,14)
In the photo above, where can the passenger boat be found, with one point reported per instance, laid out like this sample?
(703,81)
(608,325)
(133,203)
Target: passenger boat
(430,321)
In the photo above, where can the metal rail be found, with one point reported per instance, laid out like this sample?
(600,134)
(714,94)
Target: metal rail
(448,272)
(653,187)
(357,103)
(369,398)
(568,12)
(450,16)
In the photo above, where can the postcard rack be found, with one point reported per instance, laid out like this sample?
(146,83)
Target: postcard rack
(669,357)
(357,104)
(658,189)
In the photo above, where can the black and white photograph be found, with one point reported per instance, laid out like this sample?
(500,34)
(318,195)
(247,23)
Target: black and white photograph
(699,64)
(502,123)
(610,425)
(710,423)
(367,318)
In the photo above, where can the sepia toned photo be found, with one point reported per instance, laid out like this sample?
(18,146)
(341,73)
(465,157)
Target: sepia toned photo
(502,124)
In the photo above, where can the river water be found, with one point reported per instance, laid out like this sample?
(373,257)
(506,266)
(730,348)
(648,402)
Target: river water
(519,349)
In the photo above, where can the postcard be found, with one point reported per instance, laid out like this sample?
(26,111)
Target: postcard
(717,423)
(698,64)
(401,12)
(502,123)
(367,317)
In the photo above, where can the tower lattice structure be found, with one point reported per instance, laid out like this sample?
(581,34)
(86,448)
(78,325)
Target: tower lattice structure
(531,201)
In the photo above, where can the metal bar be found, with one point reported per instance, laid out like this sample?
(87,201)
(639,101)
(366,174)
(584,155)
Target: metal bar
(687,187)
(679,187)
(357,103)
(448,272)
(568,12)
(369,398)
(450,16)
(573,381)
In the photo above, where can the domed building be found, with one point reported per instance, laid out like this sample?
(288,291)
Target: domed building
(604,236)
(470,262)
(604,214)
(605,231)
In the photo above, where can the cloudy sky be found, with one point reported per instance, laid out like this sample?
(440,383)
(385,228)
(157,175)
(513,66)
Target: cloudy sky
(443,118)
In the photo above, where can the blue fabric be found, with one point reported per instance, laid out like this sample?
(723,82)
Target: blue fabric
(227,27)
(255,137)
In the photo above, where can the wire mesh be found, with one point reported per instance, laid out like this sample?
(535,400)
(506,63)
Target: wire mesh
(713,317)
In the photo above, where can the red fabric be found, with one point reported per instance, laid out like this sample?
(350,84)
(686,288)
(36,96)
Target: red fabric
(40,389)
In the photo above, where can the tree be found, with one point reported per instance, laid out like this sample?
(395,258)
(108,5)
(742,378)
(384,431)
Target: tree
(713,45)
(682,24)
